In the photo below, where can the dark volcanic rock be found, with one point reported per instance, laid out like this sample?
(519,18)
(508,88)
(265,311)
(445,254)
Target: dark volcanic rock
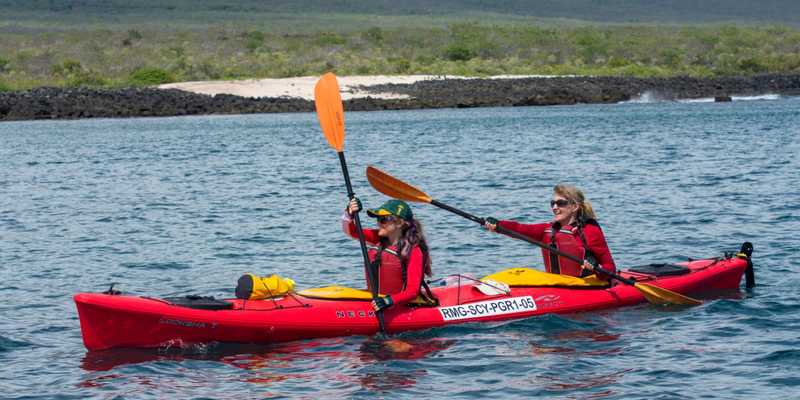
(47,103)
(572,90)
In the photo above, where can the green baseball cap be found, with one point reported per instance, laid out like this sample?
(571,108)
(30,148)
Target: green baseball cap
(398,208)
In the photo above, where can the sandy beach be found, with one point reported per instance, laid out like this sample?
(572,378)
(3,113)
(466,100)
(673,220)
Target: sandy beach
(303,87)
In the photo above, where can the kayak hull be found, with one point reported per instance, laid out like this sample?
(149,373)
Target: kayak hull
(112,321)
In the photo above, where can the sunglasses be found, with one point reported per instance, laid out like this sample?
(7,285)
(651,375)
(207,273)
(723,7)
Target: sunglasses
(559,202)
(385,218)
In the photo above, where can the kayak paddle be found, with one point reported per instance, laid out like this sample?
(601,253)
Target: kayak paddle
(330,112)
(398,189)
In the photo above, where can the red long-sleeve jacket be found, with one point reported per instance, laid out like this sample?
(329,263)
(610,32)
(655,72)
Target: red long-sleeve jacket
(414,267)
(595,239)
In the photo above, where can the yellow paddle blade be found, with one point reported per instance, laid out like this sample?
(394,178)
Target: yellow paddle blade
(394,187)
(330,110)
(657,295)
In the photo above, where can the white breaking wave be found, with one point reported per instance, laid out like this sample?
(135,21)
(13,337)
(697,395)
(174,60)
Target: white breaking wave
(653,97)
(734,98)
(761,97)
(700,100)
(646,97)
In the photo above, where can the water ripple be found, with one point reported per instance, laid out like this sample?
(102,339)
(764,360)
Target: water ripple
(157,265)
(8,344)
(170,206)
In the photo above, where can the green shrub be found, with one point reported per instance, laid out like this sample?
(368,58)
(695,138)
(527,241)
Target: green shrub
(85,78)
(254,40)
(208,70)
(671,57)
(94,56)
(752,65)
(373,35)
(134,35)
(458,52)
(399,65)
(592,44)
(617,62)
(72,74)
(364,70)
(149,76)
(66,68)
(330,39)
(424,59)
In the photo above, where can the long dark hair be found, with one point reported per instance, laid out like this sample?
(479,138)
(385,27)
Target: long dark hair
(414,236)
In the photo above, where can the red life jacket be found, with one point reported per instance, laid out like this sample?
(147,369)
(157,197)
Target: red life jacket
(391,274)
(566,240)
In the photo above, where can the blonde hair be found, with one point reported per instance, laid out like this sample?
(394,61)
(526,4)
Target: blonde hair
(575,195)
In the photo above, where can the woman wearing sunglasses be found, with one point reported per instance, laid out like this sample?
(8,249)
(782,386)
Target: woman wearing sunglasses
(574,230)
(398,248)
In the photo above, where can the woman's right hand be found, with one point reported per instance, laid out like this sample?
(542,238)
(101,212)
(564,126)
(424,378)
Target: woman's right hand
(490,223)
(354,206)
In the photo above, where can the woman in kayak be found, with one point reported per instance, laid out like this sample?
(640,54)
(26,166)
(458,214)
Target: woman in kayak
(574,230)
(398,247)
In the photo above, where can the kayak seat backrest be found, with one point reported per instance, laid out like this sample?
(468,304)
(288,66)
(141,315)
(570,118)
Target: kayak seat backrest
(660,269)
(199,302)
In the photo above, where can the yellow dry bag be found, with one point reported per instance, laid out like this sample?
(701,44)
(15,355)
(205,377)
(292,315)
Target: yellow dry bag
(251,287)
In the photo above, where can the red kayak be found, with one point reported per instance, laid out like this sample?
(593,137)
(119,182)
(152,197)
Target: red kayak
(109,320)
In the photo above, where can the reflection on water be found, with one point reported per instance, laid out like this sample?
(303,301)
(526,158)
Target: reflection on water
(269,364)
(583,381)
(396,349)
(578,377)
(390,380)
(247,357)
(255,357)
(576,337)
(89,199)
(592,335)
(730,294)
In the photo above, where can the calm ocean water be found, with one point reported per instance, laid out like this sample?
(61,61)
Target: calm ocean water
(176,206)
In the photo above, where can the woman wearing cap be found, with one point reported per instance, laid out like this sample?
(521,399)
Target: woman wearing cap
(398,248)
(574,230)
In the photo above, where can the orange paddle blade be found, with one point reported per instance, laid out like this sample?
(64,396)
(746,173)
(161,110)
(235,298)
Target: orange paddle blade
(330,110)
(657,295)
(394,187)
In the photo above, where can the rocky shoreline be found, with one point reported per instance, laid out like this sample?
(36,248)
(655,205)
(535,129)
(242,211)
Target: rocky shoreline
(74,103)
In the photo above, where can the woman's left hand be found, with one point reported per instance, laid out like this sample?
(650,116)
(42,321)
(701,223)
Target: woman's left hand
(382,302)
(587,266)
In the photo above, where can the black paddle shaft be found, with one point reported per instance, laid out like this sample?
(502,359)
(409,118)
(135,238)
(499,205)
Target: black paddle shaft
(522,237)
(371,273)
(504,231)
(459,212)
